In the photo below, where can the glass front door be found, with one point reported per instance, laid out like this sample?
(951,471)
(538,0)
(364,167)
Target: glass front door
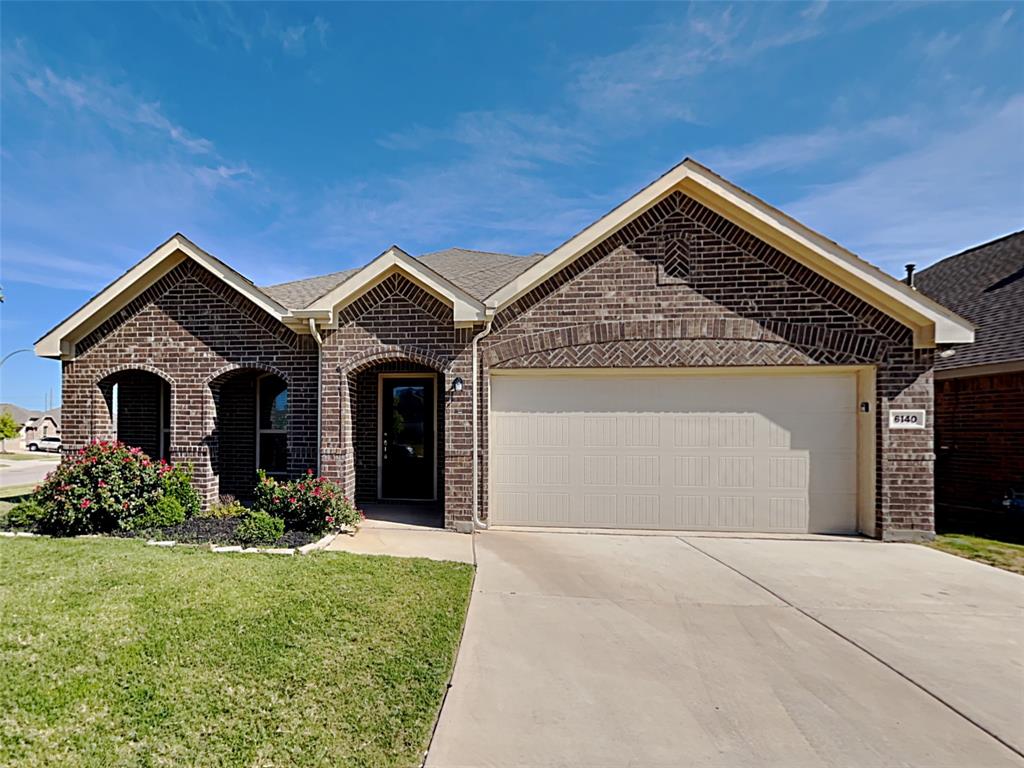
(407,467)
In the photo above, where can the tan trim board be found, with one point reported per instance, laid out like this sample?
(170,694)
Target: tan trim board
(739,370)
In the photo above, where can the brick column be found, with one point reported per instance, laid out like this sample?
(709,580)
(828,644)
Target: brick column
(905,482)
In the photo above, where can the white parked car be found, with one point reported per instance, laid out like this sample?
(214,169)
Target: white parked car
(51,444)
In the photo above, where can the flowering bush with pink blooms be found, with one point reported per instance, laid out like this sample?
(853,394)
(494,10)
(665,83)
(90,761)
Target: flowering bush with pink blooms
(98,489)
(312,504)
(108,487)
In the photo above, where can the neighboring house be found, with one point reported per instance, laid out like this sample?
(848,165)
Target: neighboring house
(695,359)
(979,390)
(37,427)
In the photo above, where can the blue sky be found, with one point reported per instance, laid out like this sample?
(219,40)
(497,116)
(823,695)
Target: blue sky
(297,139)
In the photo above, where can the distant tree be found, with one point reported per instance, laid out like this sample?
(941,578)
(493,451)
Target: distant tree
(8,428)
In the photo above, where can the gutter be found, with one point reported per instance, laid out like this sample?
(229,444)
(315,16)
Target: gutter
(477,522)
(315,333)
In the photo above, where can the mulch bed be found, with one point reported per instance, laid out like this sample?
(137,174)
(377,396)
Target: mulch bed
(218,530)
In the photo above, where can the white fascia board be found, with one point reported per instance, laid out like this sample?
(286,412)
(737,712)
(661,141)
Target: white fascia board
(465,308)
(931,322)
(59,341)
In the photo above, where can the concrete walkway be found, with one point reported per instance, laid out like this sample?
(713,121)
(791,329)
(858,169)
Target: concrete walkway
(601,651)
(402,539)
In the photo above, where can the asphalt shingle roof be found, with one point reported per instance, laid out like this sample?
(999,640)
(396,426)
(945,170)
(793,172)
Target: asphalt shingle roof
(478,273)
(984,284)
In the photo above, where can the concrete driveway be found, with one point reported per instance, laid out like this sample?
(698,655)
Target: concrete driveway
(622,650)
(27,471)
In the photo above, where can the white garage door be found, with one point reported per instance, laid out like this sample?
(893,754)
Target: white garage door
(687,451)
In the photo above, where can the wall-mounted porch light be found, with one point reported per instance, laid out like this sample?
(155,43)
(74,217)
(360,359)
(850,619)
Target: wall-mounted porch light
(457,384)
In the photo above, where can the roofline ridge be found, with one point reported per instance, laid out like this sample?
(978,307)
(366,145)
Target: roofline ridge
(973,248)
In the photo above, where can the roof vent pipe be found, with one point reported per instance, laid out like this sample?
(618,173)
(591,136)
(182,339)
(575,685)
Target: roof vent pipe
(910,275)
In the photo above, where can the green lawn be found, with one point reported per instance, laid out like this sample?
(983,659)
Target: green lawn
(12,494)
(36,456)
(113,653)
(1001,554)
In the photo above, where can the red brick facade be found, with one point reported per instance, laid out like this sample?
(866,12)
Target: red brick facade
(679,287)
(979,434)
(197,334)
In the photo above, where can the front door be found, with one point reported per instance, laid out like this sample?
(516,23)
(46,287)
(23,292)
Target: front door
(407,449)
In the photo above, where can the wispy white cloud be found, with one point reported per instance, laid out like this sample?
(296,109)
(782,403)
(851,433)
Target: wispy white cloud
(659,76)
(112,103)
(958,188)
(800,150)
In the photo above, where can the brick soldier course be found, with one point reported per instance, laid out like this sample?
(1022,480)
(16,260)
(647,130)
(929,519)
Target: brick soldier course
(678,286)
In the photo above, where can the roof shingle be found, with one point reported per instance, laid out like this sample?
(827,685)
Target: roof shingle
(478,273)
(984,284)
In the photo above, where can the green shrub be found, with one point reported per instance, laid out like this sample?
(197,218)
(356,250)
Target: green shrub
(98,489)
(257,527)
(223,509)
(311,504)
(24,515)
(167,512)
(177,483)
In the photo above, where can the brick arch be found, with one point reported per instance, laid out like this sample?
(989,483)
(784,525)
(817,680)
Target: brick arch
(223,371)
(391,354)
(113,370)
(804,337)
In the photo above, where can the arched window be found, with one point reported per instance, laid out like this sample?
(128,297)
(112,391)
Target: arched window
(272,425)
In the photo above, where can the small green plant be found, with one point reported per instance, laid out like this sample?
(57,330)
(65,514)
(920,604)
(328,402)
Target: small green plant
(257,527)
(177,482)
(311,504)
(224,509)
(24,515)
(165,513)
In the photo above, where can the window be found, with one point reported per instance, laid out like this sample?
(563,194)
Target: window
(272,425)
(165,420)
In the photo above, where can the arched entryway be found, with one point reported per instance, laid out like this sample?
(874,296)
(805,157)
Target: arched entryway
(251,429)
(398,436)
(139,407)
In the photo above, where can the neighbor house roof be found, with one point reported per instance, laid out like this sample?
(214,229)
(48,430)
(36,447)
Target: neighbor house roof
(985,284)
(477,284)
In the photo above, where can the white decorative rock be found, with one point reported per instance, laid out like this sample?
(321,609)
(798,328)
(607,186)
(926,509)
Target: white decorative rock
(305,549)
(227,549)
(153,543)
(279,551)
(8,534)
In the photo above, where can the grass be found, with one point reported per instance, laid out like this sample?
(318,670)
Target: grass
(29,456)
(12,494)
(1001,554)
(113,653)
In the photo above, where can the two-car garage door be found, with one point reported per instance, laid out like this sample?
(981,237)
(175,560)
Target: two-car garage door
(775,452)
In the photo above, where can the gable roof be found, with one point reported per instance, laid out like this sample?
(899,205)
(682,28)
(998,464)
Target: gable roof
(477,284)
(931,322)
(985,284)
(479,273)
(59,340)
(466,308)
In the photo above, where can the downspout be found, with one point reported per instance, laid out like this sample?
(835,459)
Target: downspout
(319,389)
(477,522)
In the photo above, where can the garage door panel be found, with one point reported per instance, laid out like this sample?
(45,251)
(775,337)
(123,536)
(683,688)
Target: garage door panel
(740,453)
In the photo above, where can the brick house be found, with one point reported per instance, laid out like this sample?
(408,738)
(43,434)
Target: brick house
(693,359)
(979,389)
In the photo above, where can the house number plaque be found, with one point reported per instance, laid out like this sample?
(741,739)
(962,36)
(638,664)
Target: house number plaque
(906,419)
